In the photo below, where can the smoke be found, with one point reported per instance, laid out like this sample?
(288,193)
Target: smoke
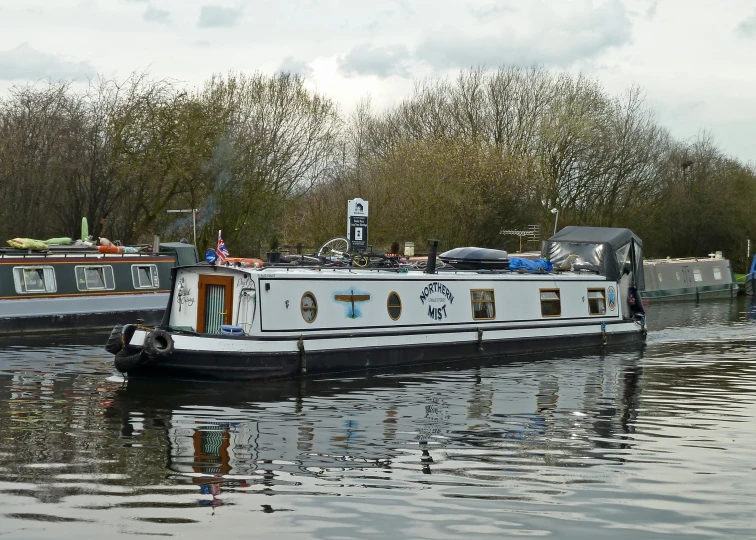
(219,168)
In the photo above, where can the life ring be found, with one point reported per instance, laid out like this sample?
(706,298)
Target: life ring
(158,344)
(240,262)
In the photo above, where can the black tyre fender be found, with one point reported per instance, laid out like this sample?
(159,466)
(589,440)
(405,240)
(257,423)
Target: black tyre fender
(125,362)
(158,344)
(114,343)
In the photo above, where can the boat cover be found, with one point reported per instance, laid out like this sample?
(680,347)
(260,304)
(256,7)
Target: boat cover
(475,258)
(605,250)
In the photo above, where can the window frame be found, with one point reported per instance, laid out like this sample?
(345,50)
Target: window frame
(19,279)
(717,270)
(154,276)
(558,301)
(483,301)
(697,275)
(86,287)
(389,305)
(314,307)
(603,298)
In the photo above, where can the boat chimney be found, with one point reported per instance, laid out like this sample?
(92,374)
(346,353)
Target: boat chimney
(156,244)
(432,252)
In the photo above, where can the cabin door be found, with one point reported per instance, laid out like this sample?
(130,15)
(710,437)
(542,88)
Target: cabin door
(216,303)
(687,277)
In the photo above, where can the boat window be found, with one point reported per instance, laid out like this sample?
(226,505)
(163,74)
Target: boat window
(551,305)
(309,307)
(483,304)
(717,272)
(394,306)
(596,301)
(145,276)
(34,279)
(697,274)
(677,274)
(95,278)
(660,277)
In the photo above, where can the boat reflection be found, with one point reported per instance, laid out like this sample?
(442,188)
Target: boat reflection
(266,438)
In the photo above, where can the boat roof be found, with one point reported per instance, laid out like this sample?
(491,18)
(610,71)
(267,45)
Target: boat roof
(614,236)
(346,272)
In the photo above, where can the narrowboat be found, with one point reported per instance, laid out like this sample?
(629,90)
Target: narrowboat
(283,321)
(66,287)
(689,278)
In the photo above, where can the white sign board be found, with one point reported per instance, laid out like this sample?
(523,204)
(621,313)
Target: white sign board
(357,224)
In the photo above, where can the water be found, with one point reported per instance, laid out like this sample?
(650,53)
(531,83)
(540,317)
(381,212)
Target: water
(643,444)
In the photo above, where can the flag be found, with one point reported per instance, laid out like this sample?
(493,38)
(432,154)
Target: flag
(222,250)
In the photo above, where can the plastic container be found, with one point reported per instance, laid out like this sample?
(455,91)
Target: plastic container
(230,330)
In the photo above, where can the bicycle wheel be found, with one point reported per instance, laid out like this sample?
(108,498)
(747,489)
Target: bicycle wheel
(335,246)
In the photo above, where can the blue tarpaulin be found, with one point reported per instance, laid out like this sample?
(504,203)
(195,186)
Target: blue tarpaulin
(541,264)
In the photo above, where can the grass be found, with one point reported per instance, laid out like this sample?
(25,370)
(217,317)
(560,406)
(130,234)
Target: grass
(740,278)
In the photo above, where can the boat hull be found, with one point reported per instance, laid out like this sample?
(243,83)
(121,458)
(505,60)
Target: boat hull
(750,284)
(287,359)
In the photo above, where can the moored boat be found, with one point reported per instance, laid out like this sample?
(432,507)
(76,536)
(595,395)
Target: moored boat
(225,322)
(69,287)
(690,278)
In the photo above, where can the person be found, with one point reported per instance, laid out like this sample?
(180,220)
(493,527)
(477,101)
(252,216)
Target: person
(394,250)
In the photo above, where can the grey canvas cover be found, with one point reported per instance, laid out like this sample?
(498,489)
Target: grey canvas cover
(605,250)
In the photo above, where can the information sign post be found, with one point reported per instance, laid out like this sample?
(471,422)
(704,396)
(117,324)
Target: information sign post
(357,224)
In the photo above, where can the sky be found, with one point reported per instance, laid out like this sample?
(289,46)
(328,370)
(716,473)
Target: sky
(694,59)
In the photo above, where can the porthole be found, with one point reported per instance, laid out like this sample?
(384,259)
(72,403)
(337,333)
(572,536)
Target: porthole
(677,274)
(394,306)
(660,277)
(309,307)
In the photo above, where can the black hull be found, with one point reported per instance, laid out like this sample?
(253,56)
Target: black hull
(85,321)
(236,366)
(749,285)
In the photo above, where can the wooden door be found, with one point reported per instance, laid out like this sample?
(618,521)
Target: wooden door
(216,303)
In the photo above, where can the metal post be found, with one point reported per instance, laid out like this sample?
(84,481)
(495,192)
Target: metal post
(556,219)
(194,224)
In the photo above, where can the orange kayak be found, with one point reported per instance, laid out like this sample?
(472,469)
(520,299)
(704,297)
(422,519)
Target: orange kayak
(110,249)
(240,262)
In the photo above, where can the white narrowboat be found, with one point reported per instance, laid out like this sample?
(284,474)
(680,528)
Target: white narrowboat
(284,321)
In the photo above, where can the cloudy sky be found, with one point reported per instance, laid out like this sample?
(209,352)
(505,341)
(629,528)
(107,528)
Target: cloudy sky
(695,59)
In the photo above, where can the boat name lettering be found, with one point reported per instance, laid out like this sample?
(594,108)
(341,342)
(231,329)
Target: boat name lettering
(437,313)
(436,287)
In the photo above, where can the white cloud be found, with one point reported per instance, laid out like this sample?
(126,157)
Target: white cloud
(383,61)
(26,63)
(747,27)
(219,17)
(678,51)
(153,14)
(297,67)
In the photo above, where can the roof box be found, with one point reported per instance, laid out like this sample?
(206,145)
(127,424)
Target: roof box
(475,258)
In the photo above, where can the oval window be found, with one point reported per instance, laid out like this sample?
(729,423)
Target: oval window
(309,307)
(678,275)
(394,306)
(660,277)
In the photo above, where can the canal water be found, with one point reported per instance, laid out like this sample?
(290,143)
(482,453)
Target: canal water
(637,444)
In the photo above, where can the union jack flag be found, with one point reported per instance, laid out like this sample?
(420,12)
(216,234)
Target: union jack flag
(222,250)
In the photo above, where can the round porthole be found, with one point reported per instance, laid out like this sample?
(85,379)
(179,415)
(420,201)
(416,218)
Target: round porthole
(394,306)
(309,307)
